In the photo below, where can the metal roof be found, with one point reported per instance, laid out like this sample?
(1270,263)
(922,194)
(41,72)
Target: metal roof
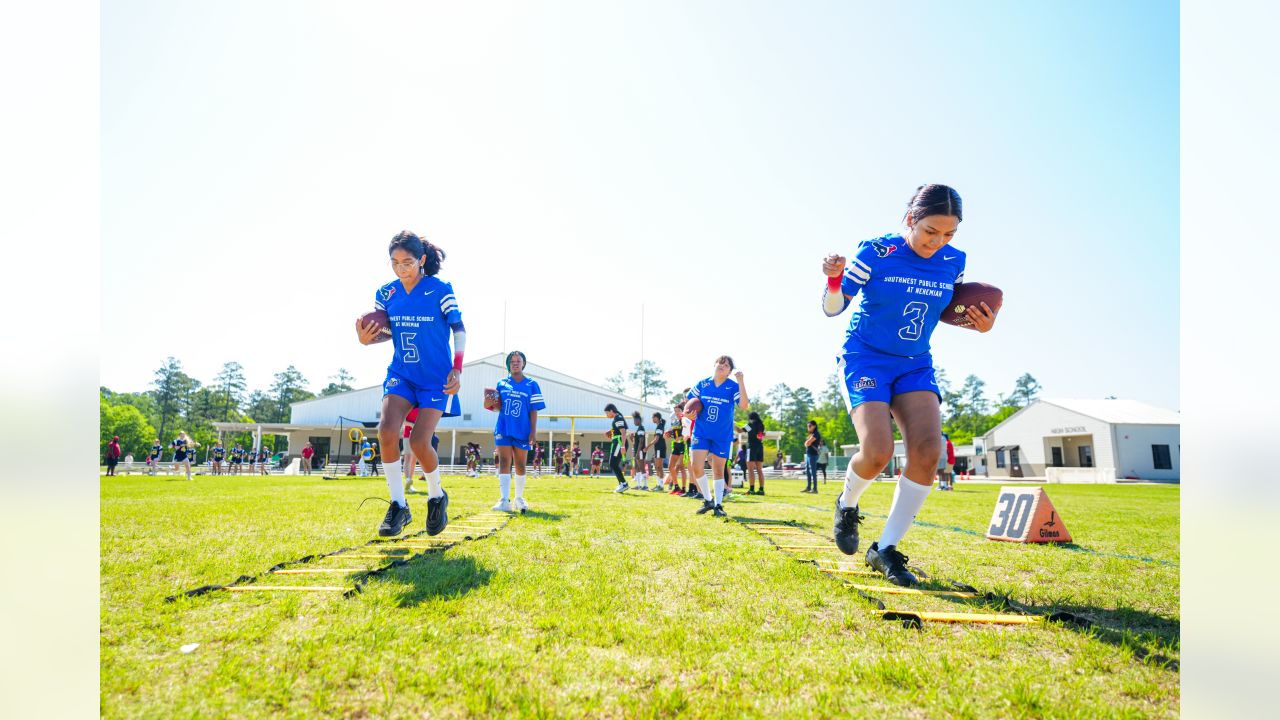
(1119,412)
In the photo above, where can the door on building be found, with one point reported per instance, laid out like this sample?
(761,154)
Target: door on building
(321,446)
(1086,455)
(1057,456)
(1015,463)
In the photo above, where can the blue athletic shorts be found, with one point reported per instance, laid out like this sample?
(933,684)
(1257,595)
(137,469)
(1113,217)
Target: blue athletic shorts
(426,398)
(718,447)
(870,375)
(508,441)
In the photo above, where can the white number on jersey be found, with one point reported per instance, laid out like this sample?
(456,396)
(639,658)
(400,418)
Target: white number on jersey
(513,407)
(410,350)
(914,311)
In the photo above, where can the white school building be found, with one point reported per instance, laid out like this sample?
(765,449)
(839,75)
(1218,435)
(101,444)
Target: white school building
(574,412)
(1085,441)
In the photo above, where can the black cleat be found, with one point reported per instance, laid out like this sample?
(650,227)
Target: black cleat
(719,512)
(846,528)
(437,514)
(892,563)
(761,491)
(707,506)
(397,517)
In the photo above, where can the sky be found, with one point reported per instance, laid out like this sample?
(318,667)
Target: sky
(585,164)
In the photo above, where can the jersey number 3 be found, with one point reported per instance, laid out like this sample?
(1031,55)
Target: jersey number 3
(914,311)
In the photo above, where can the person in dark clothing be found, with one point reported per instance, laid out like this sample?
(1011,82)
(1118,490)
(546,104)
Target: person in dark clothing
(811,444)
(754,430)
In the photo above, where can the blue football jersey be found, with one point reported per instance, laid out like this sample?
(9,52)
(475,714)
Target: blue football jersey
(518,398)
(903,294)
(715,419)
(420,331)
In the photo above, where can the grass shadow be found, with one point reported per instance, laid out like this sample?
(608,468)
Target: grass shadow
(432,576)
(1146,635)
(541,515)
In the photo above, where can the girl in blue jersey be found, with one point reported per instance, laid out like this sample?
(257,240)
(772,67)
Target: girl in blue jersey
(154,457)
(713,429)
(905,280)
(422,312)
(183,451)
(519,399)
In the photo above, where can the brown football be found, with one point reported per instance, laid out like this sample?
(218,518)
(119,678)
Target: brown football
(692,407)
(379,317)
(970,293)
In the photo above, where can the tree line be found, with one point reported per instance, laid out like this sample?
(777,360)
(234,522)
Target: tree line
(177,401)
(967,412)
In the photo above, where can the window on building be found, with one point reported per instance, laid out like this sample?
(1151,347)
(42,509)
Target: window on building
(1160,454)
(999,458)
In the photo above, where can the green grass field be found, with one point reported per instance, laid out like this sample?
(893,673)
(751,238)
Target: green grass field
(600,605)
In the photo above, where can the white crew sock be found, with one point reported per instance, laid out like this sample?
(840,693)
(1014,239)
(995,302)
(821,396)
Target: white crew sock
(504,482)
(433,484)
(643,480)
(520,486)
(719,490)
(854,486)
(395,483)
(907,502)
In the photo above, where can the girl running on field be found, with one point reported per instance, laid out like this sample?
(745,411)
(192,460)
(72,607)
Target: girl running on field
(519,400)
(713,429)
(184,449)
(424,372)
(905,280)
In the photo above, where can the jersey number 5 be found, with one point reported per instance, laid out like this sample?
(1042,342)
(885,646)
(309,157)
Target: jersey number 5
(410,350)
(914,311)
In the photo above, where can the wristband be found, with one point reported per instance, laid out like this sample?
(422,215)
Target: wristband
(457,361)
(833,283)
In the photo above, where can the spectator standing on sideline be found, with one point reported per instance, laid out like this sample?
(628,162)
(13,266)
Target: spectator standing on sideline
(307,453)
(755,452)
(811,458)
(823,457)
(950,454)
(113,454)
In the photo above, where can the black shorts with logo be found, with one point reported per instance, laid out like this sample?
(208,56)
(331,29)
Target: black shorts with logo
(755,453)
(677,448)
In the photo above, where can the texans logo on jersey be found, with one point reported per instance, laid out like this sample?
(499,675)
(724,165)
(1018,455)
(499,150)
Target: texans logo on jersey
(882,249)
(386,293)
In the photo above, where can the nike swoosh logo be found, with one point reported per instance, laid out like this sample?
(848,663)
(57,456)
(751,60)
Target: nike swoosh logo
(436,399)
(948,257)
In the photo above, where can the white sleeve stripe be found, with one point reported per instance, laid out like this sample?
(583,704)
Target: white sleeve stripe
(448,308)
(862,265)
(379,306)
(855,278)
(858,273)
(447,298)
(960,278)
